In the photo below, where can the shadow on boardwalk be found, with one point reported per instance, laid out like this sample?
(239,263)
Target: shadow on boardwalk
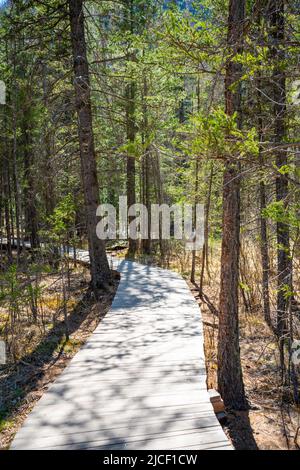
(140,380)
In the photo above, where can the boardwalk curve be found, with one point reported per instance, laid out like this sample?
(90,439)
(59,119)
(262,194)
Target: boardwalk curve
(139,382)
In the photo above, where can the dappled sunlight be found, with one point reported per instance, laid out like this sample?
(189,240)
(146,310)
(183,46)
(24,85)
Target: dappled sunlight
(139,381)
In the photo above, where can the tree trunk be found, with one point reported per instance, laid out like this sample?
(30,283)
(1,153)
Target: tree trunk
(264,248)
(16,186)
(100,271)
(130,169)
(146,244)
(48,143)
(159,200)
(284,268)
(6,206)
(31,216)
(230,379)
(260,13)
(130,131)
(204,261)
(193,268)
(16,183)
(10,198)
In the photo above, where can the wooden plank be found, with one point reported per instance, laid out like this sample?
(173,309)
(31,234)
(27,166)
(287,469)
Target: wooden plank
(216,401)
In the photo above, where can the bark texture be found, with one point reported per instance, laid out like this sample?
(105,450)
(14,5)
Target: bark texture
(230,379)
(284,271)
(100,271)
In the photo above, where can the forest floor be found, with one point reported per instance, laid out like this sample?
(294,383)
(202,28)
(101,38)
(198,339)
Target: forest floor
(43,349)
(273,421)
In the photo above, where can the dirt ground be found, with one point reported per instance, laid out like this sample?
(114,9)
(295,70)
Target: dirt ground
(44,350)
(273,420)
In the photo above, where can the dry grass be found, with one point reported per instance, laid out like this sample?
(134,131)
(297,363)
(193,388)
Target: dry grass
(23,337)
(273,419)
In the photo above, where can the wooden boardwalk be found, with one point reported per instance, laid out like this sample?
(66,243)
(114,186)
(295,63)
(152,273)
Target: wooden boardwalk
(139,382)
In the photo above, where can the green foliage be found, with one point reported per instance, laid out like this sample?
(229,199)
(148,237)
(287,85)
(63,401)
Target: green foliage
(19,292)
(287,291)
(278,212)
(218,135)
(11,288)
(63,219)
